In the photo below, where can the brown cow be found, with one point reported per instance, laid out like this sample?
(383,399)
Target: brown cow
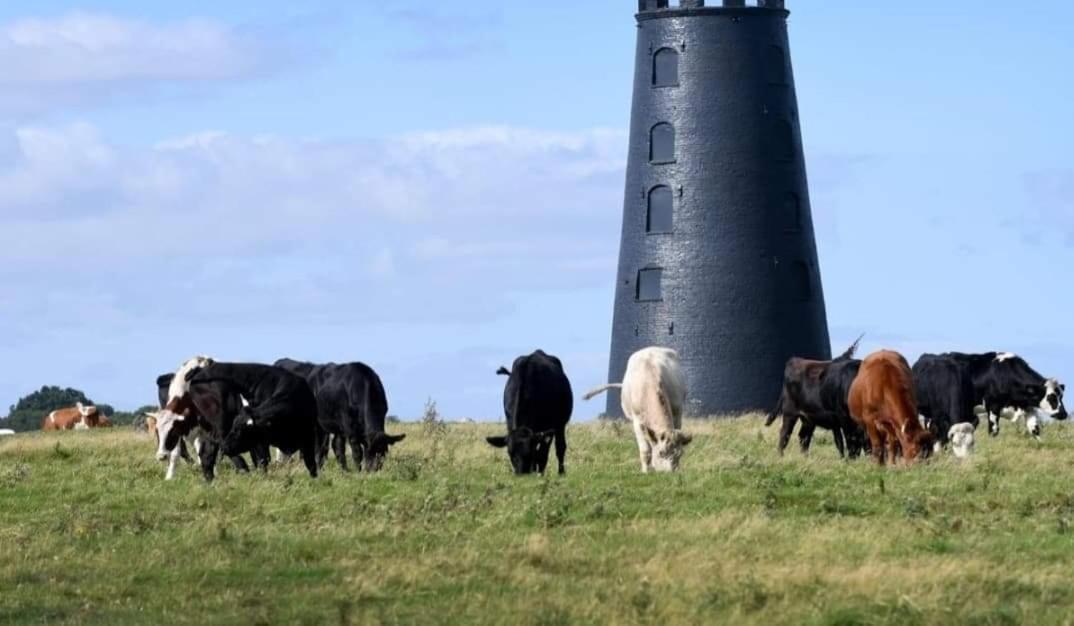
(77,417)
(882,401)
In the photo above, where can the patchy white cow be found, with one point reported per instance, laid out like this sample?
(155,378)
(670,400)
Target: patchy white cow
(961,437)
(653,397)
(174,411)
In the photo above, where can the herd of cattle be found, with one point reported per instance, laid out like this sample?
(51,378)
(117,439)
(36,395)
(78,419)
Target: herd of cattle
(879,405)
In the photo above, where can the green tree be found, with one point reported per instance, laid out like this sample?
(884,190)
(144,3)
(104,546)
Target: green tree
(28,412)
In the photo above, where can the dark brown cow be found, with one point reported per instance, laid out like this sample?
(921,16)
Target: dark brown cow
(75,417)
(104,422)
(882,401)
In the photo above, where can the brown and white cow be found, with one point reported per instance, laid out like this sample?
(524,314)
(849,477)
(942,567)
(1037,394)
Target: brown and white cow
(78,417)
(882,401)
(653,397)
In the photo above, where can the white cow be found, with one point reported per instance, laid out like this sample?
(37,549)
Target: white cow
(653,396)
(6,432)
(167,417)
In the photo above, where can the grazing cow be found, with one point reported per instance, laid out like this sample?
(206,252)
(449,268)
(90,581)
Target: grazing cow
(537,403)
(944,392)
(816,393)
(961,437)
(1005,382)
(78,417)
(653,397)
(882,401)
(351,407)
(281,410)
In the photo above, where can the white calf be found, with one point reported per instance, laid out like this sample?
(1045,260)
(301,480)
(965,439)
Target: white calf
(653,396)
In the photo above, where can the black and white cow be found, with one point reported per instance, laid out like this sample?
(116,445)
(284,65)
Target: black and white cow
(815,392)
(1004,381)
(537,402)
(281,410)
(945,395)
(351,408)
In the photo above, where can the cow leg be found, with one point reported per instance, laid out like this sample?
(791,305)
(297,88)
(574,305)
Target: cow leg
(837,436)
(207,452)
(323,437)
(561,449)
(240,463)
(645,449)
(785,430)
(173,458)
(183,452)
(993,412)
(805,435)
(308,452)
(261,456)
(876,440)
(339,447)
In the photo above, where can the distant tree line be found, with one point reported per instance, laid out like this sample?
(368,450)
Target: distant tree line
(28,412)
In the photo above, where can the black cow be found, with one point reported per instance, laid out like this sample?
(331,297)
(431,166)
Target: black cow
(1005,381)
(945,395)
(282,409)
(351,407)
(537,401)
(815,392)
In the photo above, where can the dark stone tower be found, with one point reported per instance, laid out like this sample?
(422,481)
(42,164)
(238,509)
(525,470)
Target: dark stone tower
(717,258)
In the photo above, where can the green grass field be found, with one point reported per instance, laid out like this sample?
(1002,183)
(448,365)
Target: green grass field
(90,533)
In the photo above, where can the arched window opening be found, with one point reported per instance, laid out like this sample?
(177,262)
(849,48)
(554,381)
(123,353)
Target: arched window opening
(792,213)
(662,143)
(666,68)
(660,215)
(803,279)
(777,66)
(783,139)
(650,288)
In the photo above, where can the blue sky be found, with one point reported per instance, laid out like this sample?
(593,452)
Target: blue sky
(434,188)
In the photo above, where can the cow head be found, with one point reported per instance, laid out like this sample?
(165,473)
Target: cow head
(1051,403)
(172,424)
(668,448)
(916,443)
(527,450)
(247,432)
(376,449)
(962,439)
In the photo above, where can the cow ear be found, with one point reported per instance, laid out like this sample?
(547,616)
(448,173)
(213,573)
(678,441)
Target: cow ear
(684,438)
(394,439)
(497,442)
(1062,388)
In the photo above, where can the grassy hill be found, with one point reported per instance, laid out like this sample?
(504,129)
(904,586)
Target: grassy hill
(90,533)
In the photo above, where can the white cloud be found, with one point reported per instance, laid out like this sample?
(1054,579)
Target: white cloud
(80,58)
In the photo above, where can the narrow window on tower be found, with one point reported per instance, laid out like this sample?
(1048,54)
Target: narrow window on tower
(792,213)
(803,279)
(666,68)
(783,140)
(662,143)
(660,216)
(777,66)
(649,284)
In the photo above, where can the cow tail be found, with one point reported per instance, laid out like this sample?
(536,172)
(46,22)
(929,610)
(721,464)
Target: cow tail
(776,412)
(849,354)
(599,390)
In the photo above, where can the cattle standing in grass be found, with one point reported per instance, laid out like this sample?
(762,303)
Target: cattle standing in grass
(882,401)
(944,392)
(351,408)
(816,393)
(104,422)
(537,403)
(1005,382)
(180,420)
(281,411)
(78,417)
(653,396)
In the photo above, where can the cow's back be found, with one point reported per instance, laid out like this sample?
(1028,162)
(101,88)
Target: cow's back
(884,384)
(654,386)
(538,393)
